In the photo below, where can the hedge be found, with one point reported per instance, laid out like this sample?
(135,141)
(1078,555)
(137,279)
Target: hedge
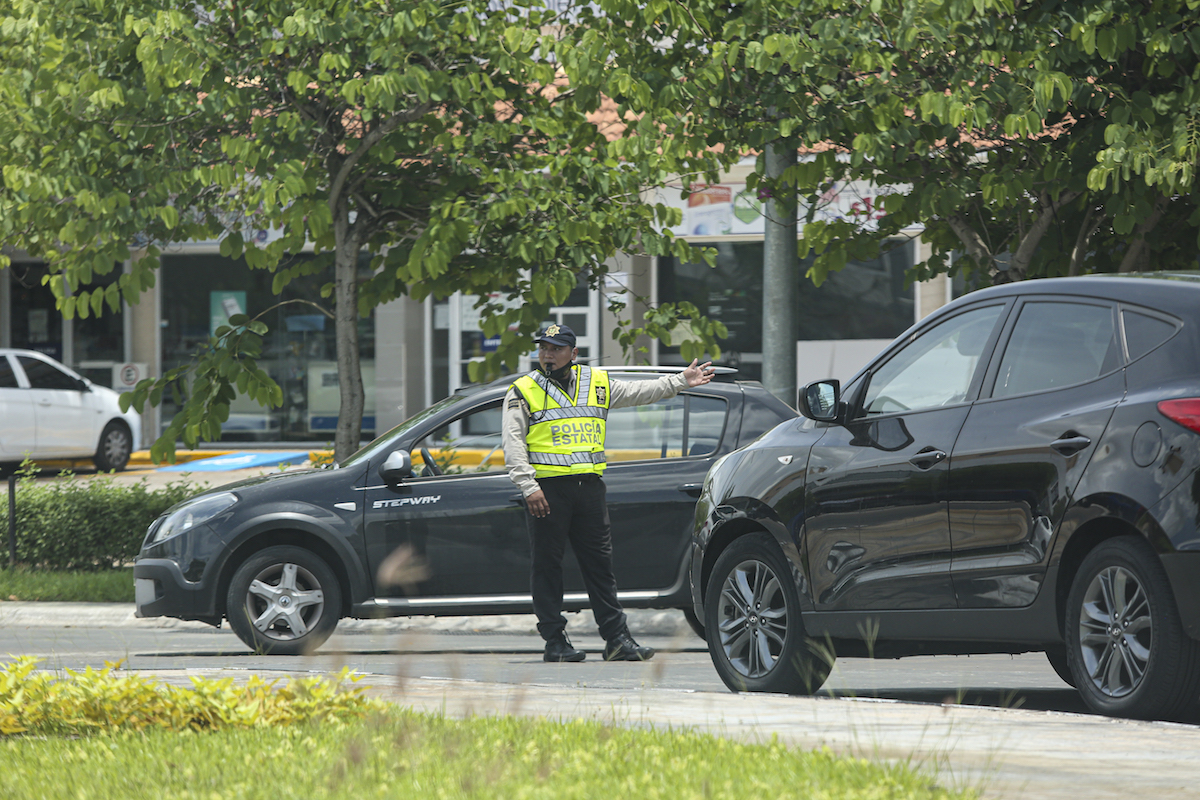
(92,523)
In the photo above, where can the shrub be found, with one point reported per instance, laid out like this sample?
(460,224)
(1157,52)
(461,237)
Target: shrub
(107,700)
(94,523)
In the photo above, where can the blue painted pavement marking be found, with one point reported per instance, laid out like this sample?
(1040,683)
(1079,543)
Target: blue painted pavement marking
(239,461)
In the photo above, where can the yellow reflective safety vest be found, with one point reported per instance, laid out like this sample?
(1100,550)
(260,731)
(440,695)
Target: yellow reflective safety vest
(566,433)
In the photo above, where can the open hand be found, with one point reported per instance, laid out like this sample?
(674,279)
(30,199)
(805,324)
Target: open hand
(699,374)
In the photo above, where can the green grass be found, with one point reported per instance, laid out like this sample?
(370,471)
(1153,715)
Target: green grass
(405,754)
(100,586)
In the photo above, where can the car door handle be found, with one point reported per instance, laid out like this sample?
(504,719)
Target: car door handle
(1070,443)
(693,489)
(928,457)
(518,499)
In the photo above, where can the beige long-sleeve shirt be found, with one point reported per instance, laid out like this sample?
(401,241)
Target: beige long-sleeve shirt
(514,423)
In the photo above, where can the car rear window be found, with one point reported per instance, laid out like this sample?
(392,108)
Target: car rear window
(1143,333)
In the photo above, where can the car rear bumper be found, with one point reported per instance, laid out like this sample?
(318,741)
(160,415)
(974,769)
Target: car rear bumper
(161,590)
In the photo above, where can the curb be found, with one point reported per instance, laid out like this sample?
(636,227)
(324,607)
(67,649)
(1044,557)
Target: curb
(644,622)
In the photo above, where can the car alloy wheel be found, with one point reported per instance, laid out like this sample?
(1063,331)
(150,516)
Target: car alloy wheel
(1126,646)
(116,446)
(283,600)
(1116,631)
(752,617)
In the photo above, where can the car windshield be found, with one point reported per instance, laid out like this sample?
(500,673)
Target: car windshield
(384,441)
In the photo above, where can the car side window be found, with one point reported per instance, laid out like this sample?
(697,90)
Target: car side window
(1057,344)
(8,376)
(684,424)
(1143,333)
(42,375)
(470,443)
(936,369)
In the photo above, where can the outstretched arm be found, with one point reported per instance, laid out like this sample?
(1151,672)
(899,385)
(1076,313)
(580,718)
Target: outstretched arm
(640,392)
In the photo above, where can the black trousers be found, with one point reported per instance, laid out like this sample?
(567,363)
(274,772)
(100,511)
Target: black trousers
(578,514)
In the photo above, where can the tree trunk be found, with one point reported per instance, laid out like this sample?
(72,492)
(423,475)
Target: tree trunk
(350,385)
(1018,268)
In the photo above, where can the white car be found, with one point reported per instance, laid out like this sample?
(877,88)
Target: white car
(47,411)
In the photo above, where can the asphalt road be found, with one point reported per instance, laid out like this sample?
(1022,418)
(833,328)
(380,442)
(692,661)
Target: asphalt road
(514,658)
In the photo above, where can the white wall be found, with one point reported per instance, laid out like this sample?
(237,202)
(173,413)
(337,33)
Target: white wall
(841,359)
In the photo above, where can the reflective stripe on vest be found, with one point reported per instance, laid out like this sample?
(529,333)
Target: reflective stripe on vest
(566,435)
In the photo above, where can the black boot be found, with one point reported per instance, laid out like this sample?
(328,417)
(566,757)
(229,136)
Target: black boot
(559,648)
(622,647)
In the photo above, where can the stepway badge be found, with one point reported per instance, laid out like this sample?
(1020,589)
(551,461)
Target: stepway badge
(423,500)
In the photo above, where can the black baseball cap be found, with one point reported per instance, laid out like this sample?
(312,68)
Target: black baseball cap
(556,334)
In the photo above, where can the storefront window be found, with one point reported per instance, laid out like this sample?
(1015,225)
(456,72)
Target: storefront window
(36,324)
(458,337)
(200,293)
(96,344)
(865,300)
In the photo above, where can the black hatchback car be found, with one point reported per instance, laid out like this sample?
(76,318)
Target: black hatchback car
(285,556)
(1016,473)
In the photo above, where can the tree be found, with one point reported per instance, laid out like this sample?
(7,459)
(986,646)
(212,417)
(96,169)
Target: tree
(444,139)
(1034,139)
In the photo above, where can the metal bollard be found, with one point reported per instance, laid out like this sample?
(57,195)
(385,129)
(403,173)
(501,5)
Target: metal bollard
(12,520)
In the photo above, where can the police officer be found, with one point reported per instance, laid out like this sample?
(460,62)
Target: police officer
(553,432)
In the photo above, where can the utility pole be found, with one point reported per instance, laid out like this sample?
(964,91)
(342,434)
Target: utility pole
(780,279)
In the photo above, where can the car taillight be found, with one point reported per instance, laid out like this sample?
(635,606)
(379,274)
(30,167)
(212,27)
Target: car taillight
(1185,411)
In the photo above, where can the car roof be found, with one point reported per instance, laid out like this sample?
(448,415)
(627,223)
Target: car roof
(1167,291)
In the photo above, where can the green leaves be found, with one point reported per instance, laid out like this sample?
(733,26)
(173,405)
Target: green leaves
(440,139)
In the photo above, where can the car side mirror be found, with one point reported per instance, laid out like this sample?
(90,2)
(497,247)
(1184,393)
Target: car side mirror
(821,400)
(396,467)
(82,385)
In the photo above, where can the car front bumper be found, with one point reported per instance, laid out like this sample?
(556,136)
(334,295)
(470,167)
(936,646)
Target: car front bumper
(161,590)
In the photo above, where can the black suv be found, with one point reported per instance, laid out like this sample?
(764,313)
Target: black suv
(1016,473)
(285,556)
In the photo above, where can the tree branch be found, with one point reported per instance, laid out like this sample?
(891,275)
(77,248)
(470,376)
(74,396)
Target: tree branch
(369,140)
(1019,266)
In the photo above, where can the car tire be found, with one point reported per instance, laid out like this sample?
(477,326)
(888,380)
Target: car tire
(116,446)
(752,616)
(283,601)
(1126,646)
(693,621)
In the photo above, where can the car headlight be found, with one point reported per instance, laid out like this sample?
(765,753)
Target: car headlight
(192,513)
